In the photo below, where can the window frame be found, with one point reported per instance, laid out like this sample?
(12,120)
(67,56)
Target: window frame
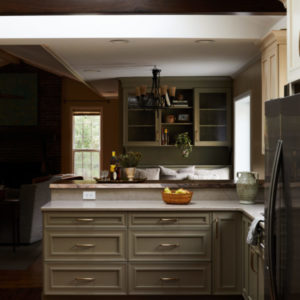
(85,111)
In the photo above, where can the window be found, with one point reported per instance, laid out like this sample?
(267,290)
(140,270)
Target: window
(86,144)
(242,135)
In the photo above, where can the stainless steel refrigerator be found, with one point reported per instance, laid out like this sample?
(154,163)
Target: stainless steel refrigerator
(282,201)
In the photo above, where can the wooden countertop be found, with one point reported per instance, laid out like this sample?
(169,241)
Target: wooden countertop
(188,184)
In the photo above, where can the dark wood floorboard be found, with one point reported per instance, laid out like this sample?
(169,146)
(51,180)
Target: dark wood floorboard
(23,279)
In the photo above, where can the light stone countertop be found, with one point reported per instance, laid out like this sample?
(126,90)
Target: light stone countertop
(252,211)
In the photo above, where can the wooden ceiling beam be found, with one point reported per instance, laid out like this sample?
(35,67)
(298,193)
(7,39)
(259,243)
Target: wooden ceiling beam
(51,7)
(6,58)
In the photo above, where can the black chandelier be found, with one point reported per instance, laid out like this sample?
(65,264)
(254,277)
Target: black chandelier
(158,97)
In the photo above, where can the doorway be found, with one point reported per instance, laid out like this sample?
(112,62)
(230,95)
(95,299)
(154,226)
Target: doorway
(242,134)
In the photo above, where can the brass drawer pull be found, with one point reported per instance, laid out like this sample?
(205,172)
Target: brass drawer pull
(168,220)
(85,279)
(85,219)
(169,279)
(85,245)
(169,245)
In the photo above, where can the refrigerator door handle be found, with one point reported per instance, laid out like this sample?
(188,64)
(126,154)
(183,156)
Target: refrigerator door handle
(270,224)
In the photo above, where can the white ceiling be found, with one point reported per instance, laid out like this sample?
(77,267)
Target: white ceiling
(83,42)
(99,59)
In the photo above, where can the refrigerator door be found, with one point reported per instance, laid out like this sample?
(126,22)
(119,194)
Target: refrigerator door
(274,201)
(282,212)
(290,261)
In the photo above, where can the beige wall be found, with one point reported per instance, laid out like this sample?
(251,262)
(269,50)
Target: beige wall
(77,95)
(249,80)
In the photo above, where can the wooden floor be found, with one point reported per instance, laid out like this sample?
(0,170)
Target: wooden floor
(22,284)
(27,285)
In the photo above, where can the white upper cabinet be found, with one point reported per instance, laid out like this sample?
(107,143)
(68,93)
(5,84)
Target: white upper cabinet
(273,70)
(293,39)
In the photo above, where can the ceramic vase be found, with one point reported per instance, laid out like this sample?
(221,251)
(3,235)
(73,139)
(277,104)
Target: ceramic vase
(247,186)
(130,173)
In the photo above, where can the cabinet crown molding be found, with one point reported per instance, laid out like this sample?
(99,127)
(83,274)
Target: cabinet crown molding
(275,36)
(283,2)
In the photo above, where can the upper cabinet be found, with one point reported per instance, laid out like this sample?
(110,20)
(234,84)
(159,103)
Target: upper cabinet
(293,25)
(212,116)
(273,70)
(205,115)
(141,125)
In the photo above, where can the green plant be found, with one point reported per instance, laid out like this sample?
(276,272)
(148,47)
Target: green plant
(130,159)
(184,143)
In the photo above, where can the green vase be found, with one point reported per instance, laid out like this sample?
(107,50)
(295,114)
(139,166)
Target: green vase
(247,186)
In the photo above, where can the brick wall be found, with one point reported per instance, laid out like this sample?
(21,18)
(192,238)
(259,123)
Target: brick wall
(36,147)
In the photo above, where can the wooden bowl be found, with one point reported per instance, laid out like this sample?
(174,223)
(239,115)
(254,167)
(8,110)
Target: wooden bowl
(177,198)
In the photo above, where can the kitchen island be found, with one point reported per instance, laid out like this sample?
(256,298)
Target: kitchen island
(129,242)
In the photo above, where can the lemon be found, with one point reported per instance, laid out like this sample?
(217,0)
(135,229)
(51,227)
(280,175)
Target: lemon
(167,190)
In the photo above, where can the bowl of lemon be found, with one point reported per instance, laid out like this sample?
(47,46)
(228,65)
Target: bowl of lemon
(180,196)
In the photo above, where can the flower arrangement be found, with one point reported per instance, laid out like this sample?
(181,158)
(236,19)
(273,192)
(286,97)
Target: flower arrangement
(130,159)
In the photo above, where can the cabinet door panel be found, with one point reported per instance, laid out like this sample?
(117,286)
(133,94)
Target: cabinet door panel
(84,279)
(246,255)
(170,245)
(141,125)
(261,277)
(168,279)
(293,12)
(212,116)
(167,220)
(253,274)
(77,220)
(84,244)
(227,253)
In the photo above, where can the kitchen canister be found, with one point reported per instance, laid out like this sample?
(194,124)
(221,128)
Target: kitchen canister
(247,186)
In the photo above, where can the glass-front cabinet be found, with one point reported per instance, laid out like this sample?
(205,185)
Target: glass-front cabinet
(212,116)
(141,124)
(200,107)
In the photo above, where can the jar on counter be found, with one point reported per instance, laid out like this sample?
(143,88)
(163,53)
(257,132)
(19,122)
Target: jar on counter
(247,186)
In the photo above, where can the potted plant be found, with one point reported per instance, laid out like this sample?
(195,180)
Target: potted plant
(128,162)
(184,143)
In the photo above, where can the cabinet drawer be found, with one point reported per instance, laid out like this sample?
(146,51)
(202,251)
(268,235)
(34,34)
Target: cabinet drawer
(83,279)
(175,278)
(84,219)
(84,244)
(170,245)
(169,220)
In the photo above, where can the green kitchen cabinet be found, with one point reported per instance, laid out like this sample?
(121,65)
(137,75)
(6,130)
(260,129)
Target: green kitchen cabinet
(212,115)
(253,266)
(227,259)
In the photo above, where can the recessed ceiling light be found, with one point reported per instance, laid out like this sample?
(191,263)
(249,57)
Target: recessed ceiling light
(206,41)
(119,41)
(92,70)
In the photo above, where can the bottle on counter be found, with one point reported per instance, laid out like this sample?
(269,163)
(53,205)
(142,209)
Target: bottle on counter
(166,137)
(112,167)
(118,170)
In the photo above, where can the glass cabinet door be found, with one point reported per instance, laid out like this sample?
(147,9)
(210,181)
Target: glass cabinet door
(212,116)
(140,124)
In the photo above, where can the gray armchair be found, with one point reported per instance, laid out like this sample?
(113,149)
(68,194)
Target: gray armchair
(32,197)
